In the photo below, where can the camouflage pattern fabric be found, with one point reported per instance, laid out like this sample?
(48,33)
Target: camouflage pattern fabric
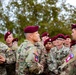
(28,59)
(59,55)
(3,49)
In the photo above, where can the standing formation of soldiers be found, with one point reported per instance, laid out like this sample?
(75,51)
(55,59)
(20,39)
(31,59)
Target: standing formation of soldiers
(35,56)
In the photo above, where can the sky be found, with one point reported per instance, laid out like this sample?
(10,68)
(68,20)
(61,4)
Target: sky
(72,2)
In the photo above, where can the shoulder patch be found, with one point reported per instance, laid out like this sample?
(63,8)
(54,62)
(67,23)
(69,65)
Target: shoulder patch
(36,58)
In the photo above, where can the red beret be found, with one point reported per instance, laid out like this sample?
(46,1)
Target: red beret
(31,29)
(15,39)
(45,34)
(54,38)
(47,40)
(67,36)
(73,42)
(6,35)
(73,26)
(61,36)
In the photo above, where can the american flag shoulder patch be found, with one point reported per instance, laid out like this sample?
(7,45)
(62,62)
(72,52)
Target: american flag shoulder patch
(36,58)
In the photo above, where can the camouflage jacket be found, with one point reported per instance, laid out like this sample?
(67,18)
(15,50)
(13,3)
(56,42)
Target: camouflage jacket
(60,54)
(51,61)
(27,59)
(7,53)
(42,52)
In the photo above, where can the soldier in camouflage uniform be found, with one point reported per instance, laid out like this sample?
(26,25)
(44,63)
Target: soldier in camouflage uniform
(73,64)
(4,58)
(27,54)
(8,39)
(67,41)
(15,44)
(42,54)
(3,49)
(48,45)
(51,61)
(59,52)
(44,36)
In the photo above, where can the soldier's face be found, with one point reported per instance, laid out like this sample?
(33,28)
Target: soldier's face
(48,45)
(54,42)
(59,41)
(36,37)
(44,38)
(9,39)
(67,41)
(74,34)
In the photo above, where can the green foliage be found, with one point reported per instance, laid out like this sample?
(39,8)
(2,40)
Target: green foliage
(29,12)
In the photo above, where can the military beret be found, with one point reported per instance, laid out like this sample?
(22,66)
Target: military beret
(73,26)
(54,38)
(67,36)
(47,40)
(73,42)
(31,29)
(6,35)
(15,39)
(60,36)
(45,34)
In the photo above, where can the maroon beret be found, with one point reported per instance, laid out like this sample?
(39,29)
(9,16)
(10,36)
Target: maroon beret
(6,35)
(45,34)
(31,29)
(73,26)
(73,42)
(47,40)
(61,36)
(15,39)
(54,38)
(67,36)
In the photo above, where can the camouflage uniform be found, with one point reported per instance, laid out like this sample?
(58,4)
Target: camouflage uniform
(41,51)
(5,51)
(52,65)
(59,55)
(73,64)
(11,66)
(42,56)
(28,59)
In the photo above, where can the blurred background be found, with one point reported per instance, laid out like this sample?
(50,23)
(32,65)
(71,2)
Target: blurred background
(52,16)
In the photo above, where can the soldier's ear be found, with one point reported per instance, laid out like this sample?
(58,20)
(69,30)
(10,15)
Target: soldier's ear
(31,35)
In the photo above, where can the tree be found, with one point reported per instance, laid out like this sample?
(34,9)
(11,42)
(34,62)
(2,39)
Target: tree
(46,14)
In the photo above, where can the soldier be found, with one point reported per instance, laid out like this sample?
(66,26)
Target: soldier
(3,49)
(15,44)
(8,39)
(48,45)
(27,54)
(67,41)
(60,51)
(51,61)
(73,65)
(4,58)
(42,54)
(44,36)
(54,41)
(73,42)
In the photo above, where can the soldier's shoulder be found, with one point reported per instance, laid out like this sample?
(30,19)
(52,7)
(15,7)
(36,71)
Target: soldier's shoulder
(3,46)
(54,49)
(26,45)
(74,46)
(39,44)
(66,48)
